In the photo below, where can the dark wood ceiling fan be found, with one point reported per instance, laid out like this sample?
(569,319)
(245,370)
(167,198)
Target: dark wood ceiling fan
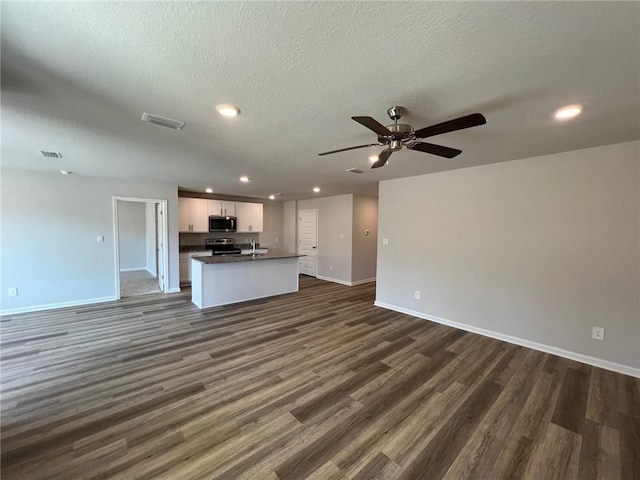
(397,135)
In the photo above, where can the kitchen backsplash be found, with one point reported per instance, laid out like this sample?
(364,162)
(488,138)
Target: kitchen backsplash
(199,238)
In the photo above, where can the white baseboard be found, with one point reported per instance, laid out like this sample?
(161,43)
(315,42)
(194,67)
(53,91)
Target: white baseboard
(361,282)
(334,280)
(138,269)
(52,306)
(174,290)
(344,282)
(596,362)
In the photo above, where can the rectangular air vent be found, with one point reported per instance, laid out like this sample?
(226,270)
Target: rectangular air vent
(355,170)
(46,154)
(162,121)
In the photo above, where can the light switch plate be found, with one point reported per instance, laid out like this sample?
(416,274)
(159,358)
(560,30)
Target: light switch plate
(385,242)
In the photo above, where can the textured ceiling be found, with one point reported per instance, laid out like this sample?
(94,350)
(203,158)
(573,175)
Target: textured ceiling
(76,78)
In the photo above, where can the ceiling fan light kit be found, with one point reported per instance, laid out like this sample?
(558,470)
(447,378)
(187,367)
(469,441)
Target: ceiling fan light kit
(397,135)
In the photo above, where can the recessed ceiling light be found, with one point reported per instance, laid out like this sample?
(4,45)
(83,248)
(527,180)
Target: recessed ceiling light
(227,110)
(565,113)
(65,172)
(209,190)
(373,158)
(244,179)
(272,197)
(316,189)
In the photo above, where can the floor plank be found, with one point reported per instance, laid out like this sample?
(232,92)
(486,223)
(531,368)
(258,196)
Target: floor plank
(319,384)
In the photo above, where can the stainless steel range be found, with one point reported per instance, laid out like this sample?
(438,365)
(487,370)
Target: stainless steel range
(222,246)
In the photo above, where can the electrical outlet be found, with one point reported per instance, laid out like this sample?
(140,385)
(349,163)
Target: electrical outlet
(276,239)
(597,333)
(100,238)
(342,236)
(12,292)
(417,294)
(385,242)
(331,268)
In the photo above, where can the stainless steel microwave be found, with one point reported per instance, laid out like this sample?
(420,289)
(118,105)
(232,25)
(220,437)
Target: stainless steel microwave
(219,223)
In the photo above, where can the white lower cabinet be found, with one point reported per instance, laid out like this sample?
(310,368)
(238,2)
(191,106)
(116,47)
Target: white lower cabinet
(185,264)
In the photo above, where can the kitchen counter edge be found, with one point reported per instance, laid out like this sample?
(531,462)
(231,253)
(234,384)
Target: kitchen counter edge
(216,259)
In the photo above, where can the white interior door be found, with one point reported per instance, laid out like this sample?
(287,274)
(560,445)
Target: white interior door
(160,245)
(308,241)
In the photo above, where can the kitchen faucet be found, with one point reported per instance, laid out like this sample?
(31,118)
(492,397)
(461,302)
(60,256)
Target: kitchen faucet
(253,246)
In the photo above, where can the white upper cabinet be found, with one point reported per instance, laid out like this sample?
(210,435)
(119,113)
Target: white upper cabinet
(250,217)
(229,208)
(193,215)
(222,208)
(183,215)
(215,207)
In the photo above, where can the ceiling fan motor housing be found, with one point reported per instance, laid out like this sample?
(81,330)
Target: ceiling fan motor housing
(397,131)
(395,113)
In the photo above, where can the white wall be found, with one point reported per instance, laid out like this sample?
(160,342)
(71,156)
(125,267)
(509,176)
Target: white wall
(132,235)
(365,217)
(541,249)
(335,225)
(49,227)
(151,237)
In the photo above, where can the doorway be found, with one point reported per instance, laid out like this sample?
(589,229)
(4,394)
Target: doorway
(308,241)
(140,233)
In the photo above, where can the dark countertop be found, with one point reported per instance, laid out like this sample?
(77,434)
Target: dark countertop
(245,258)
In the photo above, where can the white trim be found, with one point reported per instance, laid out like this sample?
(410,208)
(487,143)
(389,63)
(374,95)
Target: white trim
(579,357)
(52,306)
(334,280)
(174,290)
(138,269)
(361,282)
(345,282)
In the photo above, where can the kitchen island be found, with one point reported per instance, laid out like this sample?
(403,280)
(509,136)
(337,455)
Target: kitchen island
(223,279)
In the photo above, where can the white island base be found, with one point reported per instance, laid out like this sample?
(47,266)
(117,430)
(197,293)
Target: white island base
(215,284)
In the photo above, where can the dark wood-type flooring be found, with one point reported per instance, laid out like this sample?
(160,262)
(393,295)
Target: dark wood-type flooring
(319,384)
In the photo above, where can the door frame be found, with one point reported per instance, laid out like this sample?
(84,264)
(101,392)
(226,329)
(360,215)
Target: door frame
(298,218)
(116,238)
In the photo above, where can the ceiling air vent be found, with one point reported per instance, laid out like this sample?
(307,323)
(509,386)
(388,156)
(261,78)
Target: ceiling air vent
(162,121)
(46,154)
(355,170)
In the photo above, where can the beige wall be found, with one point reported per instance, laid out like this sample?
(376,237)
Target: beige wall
(132,235)
(541,249)
(289,225)
(365,218)
(335,224)
(49,227)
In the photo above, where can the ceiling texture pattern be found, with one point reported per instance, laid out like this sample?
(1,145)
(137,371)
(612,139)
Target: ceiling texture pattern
(76,78)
